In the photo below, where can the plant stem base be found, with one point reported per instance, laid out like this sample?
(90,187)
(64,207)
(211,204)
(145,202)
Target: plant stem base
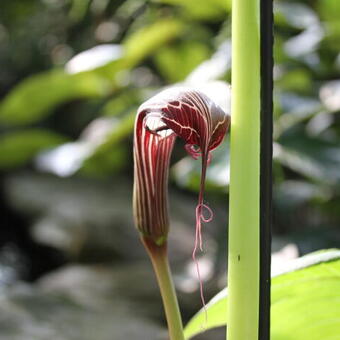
(160,263)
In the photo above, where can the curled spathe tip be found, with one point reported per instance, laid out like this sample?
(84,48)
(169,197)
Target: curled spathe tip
(191,115)
(175,112)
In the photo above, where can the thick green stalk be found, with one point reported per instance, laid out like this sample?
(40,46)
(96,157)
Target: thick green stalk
(244,224)
(159,259)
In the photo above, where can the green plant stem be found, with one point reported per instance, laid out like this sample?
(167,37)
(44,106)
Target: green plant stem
(160,263)
(244,224)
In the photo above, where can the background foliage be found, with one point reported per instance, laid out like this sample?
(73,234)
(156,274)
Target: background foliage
(70,113)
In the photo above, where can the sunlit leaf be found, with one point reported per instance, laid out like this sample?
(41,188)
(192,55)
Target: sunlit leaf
(122,102)
(305,301)
(37,95)
(78,10)
(278,52)
(148,39)
(213,68)
(297,109)
(320,124)
(296,14)
(105,164)
(329,9)
(305,42)
(93,58)
(183,58)
(297,80)
(202,9)
(17,148)
(66,159)
(32,99)
(330,95)
(110,155)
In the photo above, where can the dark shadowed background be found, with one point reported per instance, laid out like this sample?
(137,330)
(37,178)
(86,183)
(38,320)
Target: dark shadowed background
(72,75)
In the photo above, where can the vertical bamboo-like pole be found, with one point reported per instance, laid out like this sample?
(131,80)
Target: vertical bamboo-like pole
(244,216)
(251,171)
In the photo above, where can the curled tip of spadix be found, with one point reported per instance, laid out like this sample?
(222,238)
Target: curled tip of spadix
(200,211)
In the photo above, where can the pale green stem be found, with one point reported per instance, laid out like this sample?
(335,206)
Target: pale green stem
(244,224)
(159,259)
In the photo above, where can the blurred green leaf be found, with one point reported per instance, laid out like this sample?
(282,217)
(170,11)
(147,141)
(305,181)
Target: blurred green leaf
(311,157)
(78,9)
(305,301)
(176,62)
(121,103)
(294,103)
(291,194)
(279,55)
(110,155)
(147,40)
(304,44)
(332,39)
(297,80)
(202,9)
(32,99)
(104,164)
(295,14)
(16,148)
(297,109)
(329,9)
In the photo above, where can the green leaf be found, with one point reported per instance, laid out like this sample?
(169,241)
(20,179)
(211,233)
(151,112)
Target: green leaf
(290,194)
(297,80)
(78,10)
(36,96)
(201,9)
(305,301)
(19,147)
(183,58)
(311,157)
(306,304)
(297,110)
(32,99)
(147,40)
(295,14)
(110,156)
(329,9)
(122,102)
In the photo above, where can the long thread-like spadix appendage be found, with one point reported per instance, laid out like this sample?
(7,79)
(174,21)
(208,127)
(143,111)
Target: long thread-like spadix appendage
(200,217)
(197,120)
